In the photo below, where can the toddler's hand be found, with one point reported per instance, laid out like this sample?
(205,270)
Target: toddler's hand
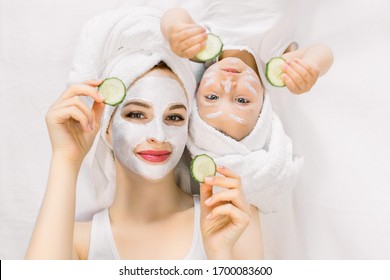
(187,40)
(299,75)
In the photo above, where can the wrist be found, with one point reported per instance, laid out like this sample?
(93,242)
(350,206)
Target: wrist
(65,160)
(219,254)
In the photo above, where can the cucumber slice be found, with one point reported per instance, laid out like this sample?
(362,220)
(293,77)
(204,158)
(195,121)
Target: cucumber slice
(113,91)
(273,71)
(212,50)
(202,166)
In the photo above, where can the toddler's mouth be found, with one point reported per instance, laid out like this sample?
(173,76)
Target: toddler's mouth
(231,70)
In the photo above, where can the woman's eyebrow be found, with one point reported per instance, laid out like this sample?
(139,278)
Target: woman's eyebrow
(138,103)
(178,106)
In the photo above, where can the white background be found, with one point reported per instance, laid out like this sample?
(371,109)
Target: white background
(341,206)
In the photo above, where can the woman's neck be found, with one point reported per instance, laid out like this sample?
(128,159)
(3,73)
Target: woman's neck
(244,56)
(145,200)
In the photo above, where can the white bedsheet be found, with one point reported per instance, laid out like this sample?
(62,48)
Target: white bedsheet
(341,207)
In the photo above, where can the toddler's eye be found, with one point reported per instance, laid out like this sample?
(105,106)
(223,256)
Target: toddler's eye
(212,97)
(135,115)
(242,100)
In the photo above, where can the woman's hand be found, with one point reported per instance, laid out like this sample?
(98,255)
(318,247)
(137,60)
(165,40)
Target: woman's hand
(300,76)
(187,39)
(224,215)
(72,125)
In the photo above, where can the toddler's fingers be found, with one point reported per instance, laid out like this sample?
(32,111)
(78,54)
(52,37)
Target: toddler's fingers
(194,40)
(308,77)
(193,51)
(294,76)
(93,83)
(190,32)
(290,84)
(312,69)
(292,73)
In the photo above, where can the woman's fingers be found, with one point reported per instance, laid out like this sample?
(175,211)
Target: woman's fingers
(97,109)
(62,115)
(229,180)
(238,217)
(206,192)
(83,90)
(233,190)
(76,101)
(227,172)
(70,105)
(233,196)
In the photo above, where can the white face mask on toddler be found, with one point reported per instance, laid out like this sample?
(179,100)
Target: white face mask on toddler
(159,122)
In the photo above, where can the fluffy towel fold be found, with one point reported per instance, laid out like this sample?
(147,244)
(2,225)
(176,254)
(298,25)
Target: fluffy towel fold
(264,159)
(124,43)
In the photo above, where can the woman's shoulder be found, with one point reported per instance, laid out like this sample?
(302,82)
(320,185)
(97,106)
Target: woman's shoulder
(81,237)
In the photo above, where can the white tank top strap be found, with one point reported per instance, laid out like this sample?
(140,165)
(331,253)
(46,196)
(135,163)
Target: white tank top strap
(102,244)
(197,251)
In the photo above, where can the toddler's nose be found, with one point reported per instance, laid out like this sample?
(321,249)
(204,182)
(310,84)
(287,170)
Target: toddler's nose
(228,84)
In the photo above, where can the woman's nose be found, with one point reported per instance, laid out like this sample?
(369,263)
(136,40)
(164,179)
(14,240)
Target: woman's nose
(158,135)
(152,140)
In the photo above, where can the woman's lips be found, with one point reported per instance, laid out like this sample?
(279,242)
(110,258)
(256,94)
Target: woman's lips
(155,155)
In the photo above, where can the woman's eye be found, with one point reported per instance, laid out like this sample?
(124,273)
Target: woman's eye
(242,100)
(175,118)
(212,97)
(136,115)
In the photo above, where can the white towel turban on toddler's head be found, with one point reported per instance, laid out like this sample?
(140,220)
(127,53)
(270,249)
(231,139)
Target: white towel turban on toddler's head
(124,43)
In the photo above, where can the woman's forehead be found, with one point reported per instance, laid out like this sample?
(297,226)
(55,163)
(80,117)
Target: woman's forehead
(158,91)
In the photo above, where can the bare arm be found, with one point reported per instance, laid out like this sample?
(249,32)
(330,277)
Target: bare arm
(53,234)
(72,128)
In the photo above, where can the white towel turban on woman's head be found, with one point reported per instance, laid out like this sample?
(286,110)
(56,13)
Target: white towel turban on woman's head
(124,43)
